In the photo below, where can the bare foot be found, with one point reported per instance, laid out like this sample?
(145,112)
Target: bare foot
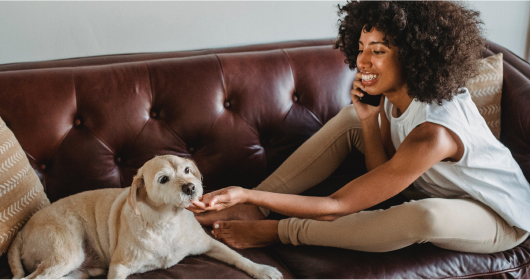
(244,212)
(247,234)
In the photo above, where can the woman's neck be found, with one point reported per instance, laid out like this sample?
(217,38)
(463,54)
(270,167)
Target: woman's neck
(401,101)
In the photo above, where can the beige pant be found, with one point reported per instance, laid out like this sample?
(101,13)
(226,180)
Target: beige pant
(456,224)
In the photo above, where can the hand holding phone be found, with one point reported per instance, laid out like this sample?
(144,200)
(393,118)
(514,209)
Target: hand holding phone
(373,100)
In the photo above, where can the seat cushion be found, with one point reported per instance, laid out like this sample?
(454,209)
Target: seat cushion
(416,261)
(203,267)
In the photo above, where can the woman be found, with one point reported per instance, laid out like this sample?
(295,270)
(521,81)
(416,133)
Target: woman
(417,55)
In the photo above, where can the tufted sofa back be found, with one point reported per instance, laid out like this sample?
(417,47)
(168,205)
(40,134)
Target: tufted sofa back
(90,123)
(237,115)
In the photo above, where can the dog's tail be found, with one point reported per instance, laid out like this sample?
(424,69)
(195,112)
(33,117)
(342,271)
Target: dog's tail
(13,256)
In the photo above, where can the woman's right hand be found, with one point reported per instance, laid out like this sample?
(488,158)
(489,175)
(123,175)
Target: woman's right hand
(364,111)
(219,200)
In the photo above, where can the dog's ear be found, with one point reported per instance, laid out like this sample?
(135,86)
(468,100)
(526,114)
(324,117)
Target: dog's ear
(137,184)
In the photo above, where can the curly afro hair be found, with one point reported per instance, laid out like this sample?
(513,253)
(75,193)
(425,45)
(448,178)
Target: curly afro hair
(439,43)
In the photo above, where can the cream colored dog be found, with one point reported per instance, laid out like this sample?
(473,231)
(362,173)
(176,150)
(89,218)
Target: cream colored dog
(126,231)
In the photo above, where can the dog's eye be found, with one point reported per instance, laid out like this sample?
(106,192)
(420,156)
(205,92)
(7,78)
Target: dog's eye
(187,170)
(163,180)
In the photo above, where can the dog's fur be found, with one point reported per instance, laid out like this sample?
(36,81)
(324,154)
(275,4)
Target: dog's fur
(124,231)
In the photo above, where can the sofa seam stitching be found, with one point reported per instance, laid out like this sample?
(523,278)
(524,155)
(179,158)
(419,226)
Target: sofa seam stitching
(294,84)
(105,144)
(151,91)
(207,131)
(225,93)
(173,132)
(161,121)
(150,83)
(70,129)
(101,140)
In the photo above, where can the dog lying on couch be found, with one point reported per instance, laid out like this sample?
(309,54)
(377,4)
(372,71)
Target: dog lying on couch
(130,230)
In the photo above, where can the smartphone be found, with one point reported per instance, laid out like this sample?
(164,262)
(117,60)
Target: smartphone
(373,100)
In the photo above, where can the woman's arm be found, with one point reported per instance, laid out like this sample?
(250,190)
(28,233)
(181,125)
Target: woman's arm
(375,139)
(386,136)
(378,142)
(374,152)
(425,146)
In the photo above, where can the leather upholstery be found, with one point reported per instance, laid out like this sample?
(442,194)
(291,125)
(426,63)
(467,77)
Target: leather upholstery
(109,59)
(90,123)
(515,116)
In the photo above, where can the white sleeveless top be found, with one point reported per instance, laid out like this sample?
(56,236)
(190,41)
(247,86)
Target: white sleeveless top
(487,171)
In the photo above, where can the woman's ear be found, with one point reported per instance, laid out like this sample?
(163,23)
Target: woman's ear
(137,184)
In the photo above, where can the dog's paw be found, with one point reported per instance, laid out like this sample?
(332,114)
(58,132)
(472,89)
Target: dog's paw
(262,271)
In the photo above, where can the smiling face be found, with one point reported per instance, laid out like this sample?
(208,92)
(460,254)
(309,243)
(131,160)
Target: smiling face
(378,63)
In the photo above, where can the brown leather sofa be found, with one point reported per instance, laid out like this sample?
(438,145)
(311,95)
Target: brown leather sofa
(90,123)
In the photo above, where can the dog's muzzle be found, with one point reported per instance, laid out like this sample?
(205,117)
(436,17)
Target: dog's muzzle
(188,189)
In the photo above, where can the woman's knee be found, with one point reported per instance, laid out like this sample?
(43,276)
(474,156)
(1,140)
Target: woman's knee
(429,219)
(348,115)
(349,122)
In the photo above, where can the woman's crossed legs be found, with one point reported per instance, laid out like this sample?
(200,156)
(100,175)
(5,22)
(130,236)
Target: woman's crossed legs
(457,224)
(464,225)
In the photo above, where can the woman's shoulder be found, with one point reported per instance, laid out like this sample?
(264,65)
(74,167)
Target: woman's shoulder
(460,105)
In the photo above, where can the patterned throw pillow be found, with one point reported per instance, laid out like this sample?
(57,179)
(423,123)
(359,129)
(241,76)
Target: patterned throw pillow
(486,90)
(21,192)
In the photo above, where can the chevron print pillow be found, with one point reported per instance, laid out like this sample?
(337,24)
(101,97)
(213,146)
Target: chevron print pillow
(486,90)
(21,192)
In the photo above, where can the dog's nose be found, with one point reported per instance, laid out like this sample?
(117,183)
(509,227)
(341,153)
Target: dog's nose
(188,188)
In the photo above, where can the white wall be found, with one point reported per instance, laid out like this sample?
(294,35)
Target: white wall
(32,31)
(49,30)
(506,23)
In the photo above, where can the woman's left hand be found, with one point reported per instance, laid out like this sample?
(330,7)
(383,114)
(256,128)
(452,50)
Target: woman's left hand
(219,200)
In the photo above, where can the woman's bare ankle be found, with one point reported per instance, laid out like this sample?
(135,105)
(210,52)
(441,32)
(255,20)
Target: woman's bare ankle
(247,234)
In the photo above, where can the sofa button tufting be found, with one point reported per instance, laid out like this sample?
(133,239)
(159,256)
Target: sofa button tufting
(295,98)
(77,122)
(43,166)
(118,159)
(191,150)
(153,114)
(227,104)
